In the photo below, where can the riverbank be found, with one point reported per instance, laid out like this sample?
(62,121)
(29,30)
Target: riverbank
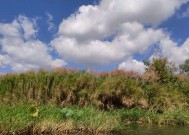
(107,90)
(22,119)
(68,100)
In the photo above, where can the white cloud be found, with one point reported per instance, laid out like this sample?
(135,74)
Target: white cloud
(174,52)
(51,26)
(21,50)
(113,30)
(11,30)
(186,13)
(94,22)
(28,26)
(4,60)
(132,65)
(108,33)
(132,38)
(57,63)
(22,27)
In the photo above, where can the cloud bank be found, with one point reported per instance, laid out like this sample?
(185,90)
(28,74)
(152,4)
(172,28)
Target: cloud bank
(112,31)
(19,48)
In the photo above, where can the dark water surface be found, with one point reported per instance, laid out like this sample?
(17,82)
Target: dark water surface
(155,130)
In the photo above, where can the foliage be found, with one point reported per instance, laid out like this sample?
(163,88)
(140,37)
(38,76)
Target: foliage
(155,90)
(16,118)
(162,68)
(185,67)
(54,120)
(34,111)
(107,99)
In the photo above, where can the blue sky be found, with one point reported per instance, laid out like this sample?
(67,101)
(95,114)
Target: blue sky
(91,34)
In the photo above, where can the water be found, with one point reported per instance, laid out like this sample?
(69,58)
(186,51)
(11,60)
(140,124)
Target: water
(154,130)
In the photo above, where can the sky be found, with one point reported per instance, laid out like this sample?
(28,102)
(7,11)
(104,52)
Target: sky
(97,35)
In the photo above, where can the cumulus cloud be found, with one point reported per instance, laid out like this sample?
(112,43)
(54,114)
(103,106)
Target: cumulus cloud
(22,27)
(132,38)
(97,52)
(20,50)
(113,30)
(91,22)
(174,52)
(132,65)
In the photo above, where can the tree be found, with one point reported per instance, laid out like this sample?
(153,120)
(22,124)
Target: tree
(185,67)
(162,68)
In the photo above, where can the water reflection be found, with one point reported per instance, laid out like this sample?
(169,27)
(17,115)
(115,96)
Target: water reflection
(154,130)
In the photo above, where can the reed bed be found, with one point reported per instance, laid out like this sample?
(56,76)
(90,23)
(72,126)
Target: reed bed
(157,96)
(76,120)
(108,90)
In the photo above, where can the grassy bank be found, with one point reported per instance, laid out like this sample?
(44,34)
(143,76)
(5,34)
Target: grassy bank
(54,120)
(116,89)
(20,120)
(120,97)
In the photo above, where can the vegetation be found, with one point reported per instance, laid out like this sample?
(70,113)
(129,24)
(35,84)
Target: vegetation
(54,120)
(19,120)
(185,67)
(120,97)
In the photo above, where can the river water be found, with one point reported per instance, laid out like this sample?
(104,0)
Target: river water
(154,130)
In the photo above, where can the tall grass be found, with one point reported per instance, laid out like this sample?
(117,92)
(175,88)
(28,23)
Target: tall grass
(108,90)
(54,120)
(97,102)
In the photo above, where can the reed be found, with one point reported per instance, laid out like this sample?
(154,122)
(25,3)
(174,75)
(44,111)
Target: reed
(118,97)
(116,89)
(55,120)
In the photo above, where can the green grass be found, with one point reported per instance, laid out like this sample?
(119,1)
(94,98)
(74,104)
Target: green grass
(116,89)
(18,117)
(68,99)
(14,118)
